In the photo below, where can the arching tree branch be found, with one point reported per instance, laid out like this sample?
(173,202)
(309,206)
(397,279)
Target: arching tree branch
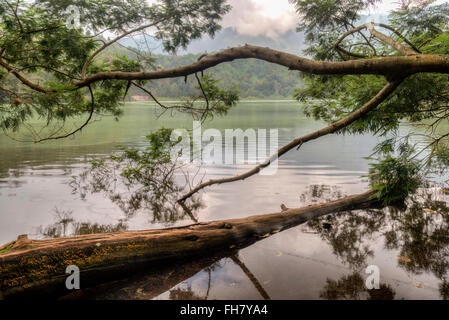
(392,66)
(388,66)
(24,80)
(349,53)
(384,38)
(396,32)
(390,41)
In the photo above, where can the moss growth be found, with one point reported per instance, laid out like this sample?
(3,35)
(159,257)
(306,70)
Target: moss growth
(42,267)
(7,248)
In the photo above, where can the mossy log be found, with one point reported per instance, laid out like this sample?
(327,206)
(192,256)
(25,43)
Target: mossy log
(29,265)
(149,283)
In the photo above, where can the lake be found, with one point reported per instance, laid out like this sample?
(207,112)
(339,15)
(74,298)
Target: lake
(324,259)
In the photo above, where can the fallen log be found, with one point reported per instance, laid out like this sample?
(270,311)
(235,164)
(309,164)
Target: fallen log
(30,265)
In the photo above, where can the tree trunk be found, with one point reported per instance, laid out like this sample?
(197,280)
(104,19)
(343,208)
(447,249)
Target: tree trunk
(30,265)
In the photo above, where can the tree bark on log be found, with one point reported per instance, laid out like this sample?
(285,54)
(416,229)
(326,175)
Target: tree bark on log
(29,264)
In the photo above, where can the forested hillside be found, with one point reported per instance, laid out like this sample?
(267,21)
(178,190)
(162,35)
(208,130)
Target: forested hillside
(254,78)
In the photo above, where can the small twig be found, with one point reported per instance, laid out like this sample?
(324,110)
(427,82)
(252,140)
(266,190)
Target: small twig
(92,109)
(86,64)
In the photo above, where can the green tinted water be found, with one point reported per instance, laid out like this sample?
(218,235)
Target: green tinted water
(35,199)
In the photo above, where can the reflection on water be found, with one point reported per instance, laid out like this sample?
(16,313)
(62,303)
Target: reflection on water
(417,237)
(250,276)
(322,259)
(352,287)
(65,225)
(419,234)
(148,186)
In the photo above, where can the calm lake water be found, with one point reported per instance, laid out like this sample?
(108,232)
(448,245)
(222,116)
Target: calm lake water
(321,260)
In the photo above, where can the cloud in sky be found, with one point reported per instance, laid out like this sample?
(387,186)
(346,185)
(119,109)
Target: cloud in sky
(274,17)
(261,17)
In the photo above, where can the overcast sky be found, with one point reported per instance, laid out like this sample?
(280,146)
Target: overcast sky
(273,17)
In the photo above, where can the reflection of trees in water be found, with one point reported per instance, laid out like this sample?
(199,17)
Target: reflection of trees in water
(184,294)
(419,232)
(160,199)
(320,193)
(250,276)
(142,180)
(156,280)
(65,225)
(352,287)
(188,294)
(349,234)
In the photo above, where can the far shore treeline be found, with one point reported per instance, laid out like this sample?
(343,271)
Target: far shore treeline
(253,78)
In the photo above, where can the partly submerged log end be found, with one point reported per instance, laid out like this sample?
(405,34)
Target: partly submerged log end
(31,264)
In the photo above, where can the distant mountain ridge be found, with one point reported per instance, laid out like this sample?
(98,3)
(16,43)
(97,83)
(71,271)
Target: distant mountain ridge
(290,41)
(254,78)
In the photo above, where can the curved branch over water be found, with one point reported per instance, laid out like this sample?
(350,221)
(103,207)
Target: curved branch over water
(298,142)
(392,66)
